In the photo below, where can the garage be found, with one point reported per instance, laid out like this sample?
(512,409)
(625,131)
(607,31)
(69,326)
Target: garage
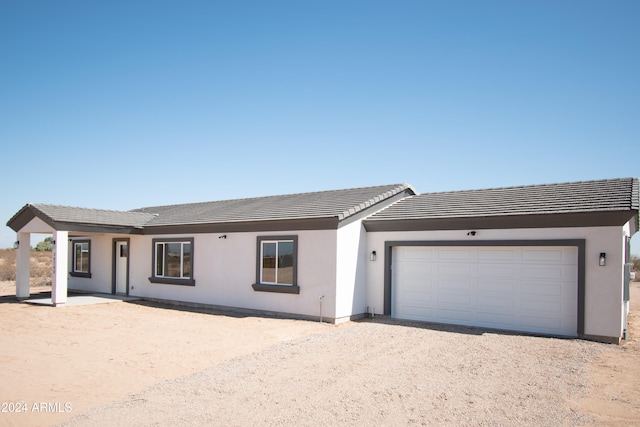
(548,259)
(522,288)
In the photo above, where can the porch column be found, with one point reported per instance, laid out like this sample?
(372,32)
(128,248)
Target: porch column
(60,266)
(23,256)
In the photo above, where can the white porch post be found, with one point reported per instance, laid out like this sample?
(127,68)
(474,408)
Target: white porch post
(23,255)
(60,265)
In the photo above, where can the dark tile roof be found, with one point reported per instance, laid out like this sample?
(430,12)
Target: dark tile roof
(336,203)
(68,214)
(573,197)
(72,218)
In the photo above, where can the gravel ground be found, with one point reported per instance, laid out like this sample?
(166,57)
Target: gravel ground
(375,372)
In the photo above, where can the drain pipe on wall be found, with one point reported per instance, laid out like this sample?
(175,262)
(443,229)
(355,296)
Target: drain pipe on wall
(321,298)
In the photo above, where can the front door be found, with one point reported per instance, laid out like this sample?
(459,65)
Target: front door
(121,265)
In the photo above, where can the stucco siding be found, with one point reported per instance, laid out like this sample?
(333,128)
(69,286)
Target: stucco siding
(100,260)
(351,278)
(603,285)
(225,269)
(36,225)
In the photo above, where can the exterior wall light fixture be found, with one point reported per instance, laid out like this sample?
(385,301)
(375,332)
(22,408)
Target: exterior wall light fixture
(372,257)
(603,259)
(16,244)
(224,236)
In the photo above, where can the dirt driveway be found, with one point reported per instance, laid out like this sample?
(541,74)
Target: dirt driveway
(140,364)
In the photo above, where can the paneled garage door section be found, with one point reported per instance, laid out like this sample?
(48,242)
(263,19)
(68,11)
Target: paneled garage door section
(529,289)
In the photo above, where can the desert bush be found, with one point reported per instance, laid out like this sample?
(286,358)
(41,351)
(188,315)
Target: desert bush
(7,264)
(40,267)
(45,245)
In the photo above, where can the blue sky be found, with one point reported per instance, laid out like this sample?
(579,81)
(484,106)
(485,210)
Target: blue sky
(123,104)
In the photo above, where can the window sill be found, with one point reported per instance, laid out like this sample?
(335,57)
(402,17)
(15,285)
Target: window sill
(78,274)
(172,281)
(283,289)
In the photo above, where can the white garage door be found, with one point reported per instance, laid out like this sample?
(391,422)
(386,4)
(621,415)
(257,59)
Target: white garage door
(531,289)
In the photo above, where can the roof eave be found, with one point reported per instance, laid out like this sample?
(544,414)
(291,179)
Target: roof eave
(550,220)
(318,223)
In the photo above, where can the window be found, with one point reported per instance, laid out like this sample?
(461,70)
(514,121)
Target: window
(276,269)
(173,261)
(81,258)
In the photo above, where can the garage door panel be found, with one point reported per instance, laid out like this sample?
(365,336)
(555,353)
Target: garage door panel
(419,300)
(544,289)
(425,314)
(456,316)
(455,255)
(497,255)
(491,303)
(495,320)
(543,272)
(496,271)
(415,269)
(546,255)
(454,285)
(542,306)
(498,287)
(542,324)
(415,254)
(454,299)
(453,270)
(531,289)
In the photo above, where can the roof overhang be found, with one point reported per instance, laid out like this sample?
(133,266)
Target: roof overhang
(557,220)
(324,223)
(25,215)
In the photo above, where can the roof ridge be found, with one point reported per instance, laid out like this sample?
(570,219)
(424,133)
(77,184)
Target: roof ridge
(37,206)
(398,188)
(271,196)
(518,187)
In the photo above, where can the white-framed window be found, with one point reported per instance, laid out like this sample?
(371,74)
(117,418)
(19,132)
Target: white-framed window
(81,258)
(277,264)
(173,261)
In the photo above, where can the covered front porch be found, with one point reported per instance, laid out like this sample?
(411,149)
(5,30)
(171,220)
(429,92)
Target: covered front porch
(90,249)
(59,274)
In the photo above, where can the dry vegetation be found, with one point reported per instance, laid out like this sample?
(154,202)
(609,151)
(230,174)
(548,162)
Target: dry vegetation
(40,267)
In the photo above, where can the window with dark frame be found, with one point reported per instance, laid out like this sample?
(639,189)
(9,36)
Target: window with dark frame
(276,267)
(81,258)
(173,261)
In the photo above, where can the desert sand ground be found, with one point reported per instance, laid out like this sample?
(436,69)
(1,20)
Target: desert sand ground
(144,364)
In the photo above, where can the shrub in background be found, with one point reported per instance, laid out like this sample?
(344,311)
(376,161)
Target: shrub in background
(40,267)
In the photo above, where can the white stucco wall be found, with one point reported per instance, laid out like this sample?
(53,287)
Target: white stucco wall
(351,278)
(604,309)
(225,269)
(101,264)
(36,225)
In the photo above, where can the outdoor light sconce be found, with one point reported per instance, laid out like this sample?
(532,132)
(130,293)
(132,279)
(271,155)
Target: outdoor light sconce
(603,259)
(372,257)
(224,236)
(16,244)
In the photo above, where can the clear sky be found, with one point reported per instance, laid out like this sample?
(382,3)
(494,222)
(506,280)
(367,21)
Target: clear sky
(122,104)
